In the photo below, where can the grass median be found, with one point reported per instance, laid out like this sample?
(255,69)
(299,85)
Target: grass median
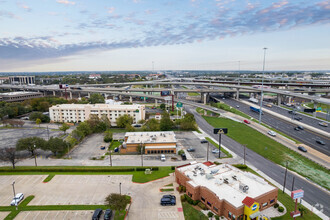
(138,176)
(272,150)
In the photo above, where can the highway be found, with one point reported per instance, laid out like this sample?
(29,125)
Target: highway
(313,194)
(305,136)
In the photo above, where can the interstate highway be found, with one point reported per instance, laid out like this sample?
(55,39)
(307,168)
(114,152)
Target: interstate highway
(313,194)
(305,136)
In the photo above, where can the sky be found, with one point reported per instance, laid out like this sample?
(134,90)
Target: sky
(110,35)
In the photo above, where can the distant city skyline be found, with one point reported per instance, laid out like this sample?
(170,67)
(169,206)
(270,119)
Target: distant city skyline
(119,35)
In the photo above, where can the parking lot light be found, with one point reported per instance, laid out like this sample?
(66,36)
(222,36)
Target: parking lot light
(13,184)
(35,157)
(120,188)
(110,157)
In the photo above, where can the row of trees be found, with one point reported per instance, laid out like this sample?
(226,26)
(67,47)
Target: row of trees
(12,155)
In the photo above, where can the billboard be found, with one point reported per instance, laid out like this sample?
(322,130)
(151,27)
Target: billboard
(165,93)
(311,110)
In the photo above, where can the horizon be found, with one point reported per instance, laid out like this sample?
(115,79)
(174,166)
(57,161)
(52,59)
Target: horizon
(144,35)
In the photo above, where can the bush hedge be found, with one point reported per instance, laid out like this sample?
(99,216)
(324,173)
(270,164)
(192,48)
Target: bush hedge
(173,167)
(144,168)
(276,205)
(210,214)
(280,209)
(240,166)
(202,205)
(183,198)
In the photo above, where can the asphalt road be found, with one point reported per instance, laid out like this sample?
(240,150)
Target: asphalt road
(305,136)
(313,194)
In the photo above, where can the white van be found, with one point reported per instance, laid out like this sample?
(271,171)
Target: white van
(162,157)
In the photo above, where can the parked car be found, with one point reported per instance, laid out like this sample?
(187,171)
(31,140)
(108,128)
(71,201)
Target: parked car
(107,214)
(190,149)
(246,121)
(272,133)
(162,157)
(97,214)
(215,151)
(168,200)
(102,147)
(320,142)
(203,141)
(324,124)
(183,157)
(17,199)
(302,149)
(116,149)
(214,109)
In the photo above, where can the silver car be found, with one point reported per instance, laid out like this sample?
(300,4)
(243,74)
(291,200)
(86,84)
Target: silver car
(19,197)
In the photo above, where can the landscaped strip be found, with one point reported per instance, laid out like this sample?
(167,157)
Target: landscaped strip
(138,173)
(49,178)
(217,146)
(190,213)
(273,150)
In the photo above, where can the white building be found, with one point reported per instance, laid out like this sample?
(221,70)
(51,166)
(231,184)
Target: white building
(82,112)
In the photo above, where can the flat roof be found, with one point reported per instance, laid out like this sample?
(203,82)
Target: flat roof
(225,180)
(150,137)
(98,106)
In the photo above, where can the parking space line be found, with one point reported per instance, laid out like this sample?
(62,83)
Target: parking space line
(9,198)
(35,217)
(22,179)
(65,215)
(39,202)
(46,215)
(56,214)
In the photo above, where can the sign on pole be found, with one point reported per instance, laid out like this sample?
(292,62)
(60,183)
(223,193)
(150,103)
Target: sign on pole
(297,194)
(220,130)
(319,109)
(179,105)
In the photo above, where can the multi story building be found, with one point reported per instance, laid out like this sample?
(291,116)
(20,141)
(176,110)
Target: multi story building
(21,80)
(226,190)
(160,142)
(19,96)
(82,112)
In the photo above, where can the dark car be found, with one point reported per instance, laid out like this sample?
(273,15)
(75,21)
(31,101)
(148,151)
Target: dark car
(302,149)
(191,149)
(107,214)
(292,112)
(296,129)
(298,118)
(203,141)
(300,127)
(183,156)
(97,214)
(168,200)
(320,142)
(102,147)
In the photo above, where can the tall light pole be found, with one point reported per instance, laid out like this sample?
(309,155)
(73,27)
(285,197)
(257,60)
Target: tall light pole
(262,84)
(13,184)
(35,157)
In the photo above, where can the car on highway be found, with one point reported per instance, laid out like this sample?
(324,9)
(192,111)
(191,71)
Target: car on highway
(301,148)
(162,157)
(97,214)
(203,141)
(214,109)
(269,105)
(300,127)
(320,142)
(190,149)
(215,151)
(272,133)
(168,200)
(323,124)
(237,106)
(246,121)
(292,112)
(107,214)
(17,199)
(298,118)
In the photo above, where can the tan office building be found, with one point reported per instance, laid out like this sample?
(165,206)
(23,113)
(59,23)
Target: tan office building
(160,142)
(82,112)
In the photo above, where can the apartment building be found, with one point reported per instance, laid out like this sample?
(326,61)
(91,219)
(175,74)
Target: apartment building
(82,112)
(226,190)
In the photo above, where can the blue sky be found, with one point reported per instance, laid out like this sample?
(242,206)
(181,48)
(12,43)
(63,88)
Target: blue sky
(73,35)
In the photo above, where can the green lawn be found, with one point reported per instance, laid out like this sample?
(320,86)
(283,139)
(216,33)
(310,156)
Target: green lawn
(323,106)
(49,178)
(228,155)
(228,108)
(193,94)
(190,213)
(138,176)
(273,150)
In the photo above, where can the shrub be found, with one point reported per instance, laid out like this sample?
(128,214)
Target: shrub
(202,205)
(195,202)
(276,205)
(173,168)
(144,168)
(280,209)
(210,214)
(180,152)
(240,166)
(189,200)
(216,163)
(216,217)
(107,137)
(183,198)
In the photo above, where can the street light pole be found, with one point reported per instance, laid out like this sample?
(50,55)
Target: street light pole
(208,146)
(262,84)
(141,154)
(35,157)
(110,157)
(219,145)
(244,153)
(120,188)
(286,170)
(13,184)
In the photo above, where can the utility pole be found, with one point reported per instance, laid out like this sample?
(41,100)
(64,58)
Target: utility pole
(219,145)
(293,183)
(244,152)
(207,155)
(47,132)
(110,157)
(141,154)
(35,156)
(262,85)
(120,188)
(13,184)
(286,170)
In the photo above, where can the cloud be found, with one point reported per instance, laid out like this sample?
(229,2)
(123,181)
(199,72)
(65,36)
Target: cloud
(111,10)
(25,7)
(7,14)
(65,2)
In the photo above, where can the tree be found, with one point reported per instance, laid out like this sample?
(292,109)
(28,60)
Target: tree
(106,121)
(29,143)
(35,115)
(107,136)
(124,120)
(84,129)
(162,106)
(130,128)
(96,98)
(116,201)
(9,155)
(64,127)
(96,124)
(151,125)
(188,122)
(166,123)
(56,145)
(38,122)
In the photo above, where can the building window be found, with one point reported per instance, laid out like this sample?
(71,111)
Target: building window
(148,151)
(215,208)
(229,215)
(265,204)
(202,199)
(272,201)
(189,194)
(172,151)
(234,217)
(209,204)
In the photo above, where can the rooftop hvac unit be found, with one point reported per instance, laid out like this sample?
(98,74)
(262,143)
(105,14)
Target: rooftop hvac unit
(235,177)
(209,176)
(243,187)
(226,180)
(214,171)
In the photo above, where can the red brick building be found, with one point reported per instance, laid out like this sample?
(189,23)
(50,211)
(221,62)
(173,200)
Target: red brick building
(226,190)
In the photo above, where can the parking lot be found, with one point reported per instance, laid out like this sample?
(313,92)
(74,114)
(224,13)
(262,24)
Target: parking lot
(88,189)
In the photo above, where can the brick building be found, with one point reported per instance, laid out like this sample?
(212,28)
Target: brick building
(160,142)
(226,190)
